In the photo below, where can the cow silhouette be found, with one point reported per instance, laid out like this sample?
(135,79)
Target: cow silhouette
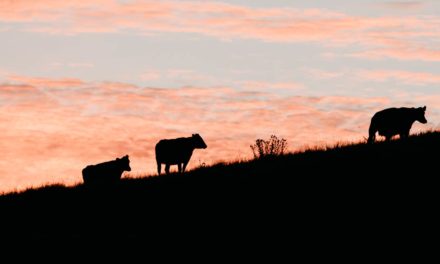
(395,121)
(177,152)
(106,172)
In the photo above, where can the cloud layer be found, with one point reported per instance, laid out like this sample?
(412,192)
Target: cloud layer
(402,37)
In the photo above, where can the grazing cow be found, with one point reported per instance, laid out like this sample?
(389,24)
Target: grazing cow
(106,172)
(395,121)
(177,152)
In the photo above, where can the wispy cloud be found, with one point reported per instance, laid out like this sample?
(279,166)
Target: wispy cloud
(55,127)
(323,74)
(210,18)
(401,50)
(405,77)
(182,76)
(404,5)
(265,86)
(406,37)
(46,82)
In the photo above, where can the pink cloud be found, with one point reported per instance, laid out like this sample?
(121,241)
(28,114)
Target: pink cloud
(43,10)
(263,86)
(405,77)
(51,134)
(229,21)
(46,82)
(323,74)
(406,51)
(404,5)
(210,18)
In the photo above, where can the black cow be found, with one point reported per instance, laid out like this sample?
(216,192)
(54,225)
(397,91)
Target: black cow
(106,172)
(177,152)
(395,121)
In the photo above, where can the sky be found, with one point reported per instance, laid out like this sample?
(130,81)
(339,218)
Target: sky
(83,82)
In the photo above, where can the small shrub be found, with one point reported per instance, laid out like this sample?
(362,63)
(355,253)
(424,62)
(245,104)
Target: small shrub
(272,147)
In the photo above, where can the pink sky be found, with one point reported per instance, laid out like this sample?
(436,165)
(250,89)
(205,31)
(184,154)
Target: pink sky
(82,82)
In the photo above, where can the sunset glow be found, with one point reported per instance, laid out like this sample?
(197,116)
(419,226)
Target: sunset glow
(82,82)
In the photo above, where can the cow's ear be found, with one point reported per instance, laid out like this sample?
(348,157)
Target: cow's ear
(117,158)
(126,156)
(194,135)
(424,108)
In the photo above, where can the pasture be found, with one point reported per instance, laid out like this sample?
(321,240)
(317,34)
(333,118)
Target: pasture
(343,186)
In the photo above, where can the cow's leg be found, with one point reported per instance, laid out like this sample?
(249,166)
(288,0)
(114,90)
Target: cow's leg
(371,134)
(159,167)
(184,166)
(371,138)
(167,168)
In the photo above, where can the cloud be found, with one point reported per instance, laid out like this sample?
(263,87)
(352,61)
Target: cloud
(44,10)
(149,17)
(404,5)
(400,50)
(46,82)
(323,74)
(405,77)
(55,127)
(404,37)
(182,76)
(265,86)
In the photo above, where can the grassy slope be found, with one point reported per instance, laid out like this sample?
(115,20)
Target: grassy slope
(382,186)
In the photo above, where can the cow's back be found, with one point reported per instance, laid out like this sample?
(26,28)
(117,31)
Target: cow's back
(173,151)
(392,120)
(102,172)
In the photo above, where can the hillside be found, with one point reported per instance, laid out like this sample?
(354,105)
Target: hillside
(390,185)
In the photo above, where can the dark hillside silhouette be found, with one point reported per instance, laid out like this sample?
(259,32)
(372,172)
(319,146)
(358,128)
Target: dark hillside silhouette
(395,121)
(107,172)
(177,152)
(357,192)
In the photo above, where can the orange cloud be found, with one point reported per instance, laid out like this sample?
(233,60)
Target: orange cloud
(49,135)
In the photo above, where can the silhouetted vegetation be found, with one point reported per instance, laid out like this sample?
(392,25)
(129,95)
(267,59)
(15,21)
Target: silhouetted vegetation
(271,147)
(362,190)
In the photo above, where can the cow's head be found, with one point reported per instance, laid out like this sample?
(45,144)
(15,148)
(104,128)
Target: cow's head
(124,162)
(420,115)
(198,141)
